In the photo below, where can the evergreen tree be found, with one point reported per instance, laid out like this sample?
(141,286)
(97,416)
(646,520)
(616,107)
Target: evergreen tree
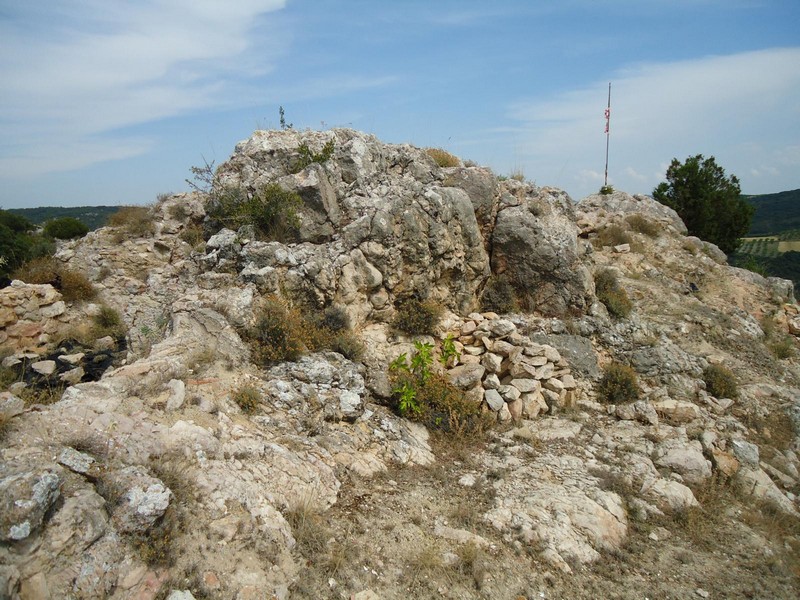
(708,201)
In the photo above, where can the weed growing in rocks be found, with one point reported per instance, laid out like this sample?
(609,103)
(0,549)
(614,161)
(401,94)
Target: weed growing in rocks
(417,317)
(442,157)
(132,222)
(108,322)
(335,318)
(271,211)
(720,382)
(611,293)
(308,156)
(642,224)
(618,384)
(247,397)
(74,286)
(420,394)
(283,331)
(279,332)
(612,235)
(192,234)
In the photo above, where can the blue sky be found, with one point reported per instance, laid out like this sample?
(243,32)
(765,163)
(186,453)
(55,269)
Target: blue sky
(111,102)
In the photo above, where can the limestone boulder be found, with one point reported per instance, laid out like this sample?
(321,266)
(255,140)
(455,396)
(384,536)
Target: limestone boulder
(25,498)
(535,241)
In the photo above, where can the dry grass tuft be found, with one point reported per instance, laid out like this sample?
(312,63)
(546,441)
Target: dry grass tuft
(443,158)
(132,222)
(247,397)
(72,284)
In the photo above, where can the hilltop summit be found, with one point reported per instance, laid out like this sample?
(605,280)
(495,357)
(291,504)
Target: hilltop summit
(238,433)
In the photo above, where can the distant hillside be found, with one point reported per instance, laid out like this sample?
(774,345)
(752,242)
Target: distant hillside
(775,212)
(92,216)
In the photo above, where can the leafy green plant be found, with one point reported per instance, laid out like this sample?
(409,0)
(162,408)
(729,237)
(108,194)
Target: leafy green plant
(611,294)
(422,395)
(607,190)
(65,228)
(308,156)
(720,382)
(442,157)
(417,317)
(448,351)
(618,384)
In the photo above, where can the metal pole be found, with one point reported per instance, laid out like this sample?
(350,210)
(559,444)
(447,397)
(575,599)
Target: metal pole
(608,131)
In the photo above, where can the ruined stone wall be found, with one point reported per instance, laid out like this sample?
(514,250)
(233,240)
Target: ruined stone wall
(29,315)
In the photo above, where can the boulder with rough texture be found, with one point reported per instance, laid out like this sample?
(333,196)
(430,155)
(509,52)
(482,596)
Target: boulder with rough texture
(535,243)
(143,500)
(25,497)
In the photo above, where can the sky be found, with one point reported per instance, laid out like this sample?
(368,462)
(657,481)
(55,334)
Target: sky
(112,102)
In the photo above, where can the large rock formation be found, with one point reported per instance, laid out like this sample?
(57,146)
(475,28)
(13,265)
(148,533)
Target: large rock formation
(173,464)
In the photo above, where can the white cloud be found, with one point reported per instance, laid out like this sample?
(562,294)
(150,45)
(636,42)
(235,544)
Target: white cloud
(741,108)
(69,75)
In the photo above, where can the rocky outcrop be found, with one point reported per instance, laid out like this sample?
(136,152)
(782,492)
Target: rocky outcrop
(120,487)
(378,224)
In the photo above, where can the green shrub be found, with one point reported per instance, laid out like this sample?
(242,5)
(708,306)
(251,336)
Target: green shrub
(642,224)
(247,397)
(618,384)
(308,157)
(720,382)
(65,228)
(72,284)
(611,294)
(607,190)
(416,317)
(132,222)
(499,295)
(18,244)
(272,211)
(442,157)
(422,395)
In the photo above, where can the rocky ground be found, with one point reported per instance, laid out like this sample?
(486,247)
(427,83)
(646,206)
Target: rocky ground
(145,473)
